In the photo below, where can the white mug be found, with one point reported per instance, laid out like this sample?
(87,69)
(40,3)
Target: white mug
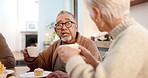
(75,45)
(33,51)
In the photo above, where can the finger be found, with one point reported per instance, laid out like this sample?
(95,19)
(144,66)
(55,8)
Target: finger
(58,76)
(84,51)
(25,54)
(25,51)
(55,75)
(83,58)
(50,75)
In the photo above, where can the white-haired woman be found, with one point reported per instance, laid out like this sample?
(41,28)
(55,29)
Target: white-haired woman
(128,53)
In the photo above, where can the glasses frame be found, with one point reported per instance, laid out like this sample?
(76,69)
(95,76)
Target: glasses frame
(64,24)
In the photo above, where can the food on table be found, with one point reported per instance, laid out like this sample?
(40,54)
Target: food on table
(38,72)
(2,68)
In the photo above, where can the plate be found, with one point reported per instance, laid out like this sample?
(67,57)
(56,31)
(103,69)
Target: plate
(31,74)
(10,71)
(5,75)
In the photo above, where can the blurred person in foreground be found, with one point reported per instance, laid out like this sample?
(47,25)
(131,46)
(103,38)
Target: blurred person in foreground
(128,53)
(67,29)
(6,56)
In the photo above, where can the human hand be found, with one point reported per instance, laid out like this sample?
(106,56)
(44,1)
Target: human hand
(27,57)
(57,74)
(66,52)
(88,57)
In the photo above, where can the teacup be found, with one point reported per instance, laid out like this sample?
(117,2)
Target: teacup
(75,45)
(33,51)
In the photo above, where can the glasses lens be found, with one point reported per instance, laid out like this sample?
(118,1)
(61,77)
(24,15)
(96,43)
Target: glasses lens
(59,25)
(68,24)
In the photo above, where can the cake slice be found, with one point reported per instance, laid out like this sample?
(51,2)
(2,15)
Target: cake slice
(38,72)
(2,68)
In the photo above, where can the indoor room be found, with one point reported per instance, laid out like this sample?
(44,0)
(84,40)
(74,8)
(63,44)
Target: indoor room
(33,23)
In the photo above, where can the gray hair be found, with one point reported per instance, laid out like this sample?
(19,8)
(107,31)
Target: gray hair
(110,9)
(66,12)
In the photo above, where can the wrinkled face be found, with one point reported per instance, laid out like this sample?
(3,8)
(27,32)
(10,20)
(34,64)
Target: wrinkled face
(66,27)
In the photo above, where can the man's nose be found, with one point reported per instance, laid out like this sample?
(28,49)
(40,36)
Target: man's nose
(64,27)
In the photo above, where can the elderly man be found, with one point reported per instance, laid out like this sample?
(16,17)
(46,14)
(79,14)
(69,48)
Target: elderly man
(67,29)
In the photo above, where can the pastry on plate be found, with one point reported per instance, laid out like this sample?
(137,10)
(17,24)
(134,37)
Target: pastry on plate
(2,69)
(38,72)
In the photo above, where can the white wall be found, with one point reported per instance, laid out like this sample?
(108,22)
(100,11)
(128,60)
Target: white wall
(140,13)
(68,5)
(13,20)
(86,26)
(80,17)
(8,22)
(48,10)
(27,12)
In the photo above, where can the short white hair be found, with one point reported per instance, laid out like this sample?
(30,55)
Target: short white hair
(110,9)
(66,12)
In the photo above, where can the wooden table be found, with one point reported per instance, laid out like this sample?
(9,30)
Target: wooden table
(18,71)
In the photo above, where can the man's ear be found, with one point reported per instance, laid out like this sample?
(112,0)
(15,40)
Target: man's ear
(97,13)
(76,26)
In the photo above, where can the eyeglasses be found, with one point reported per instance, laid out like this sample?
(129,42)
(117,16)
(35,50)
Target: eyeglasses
(68,24)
